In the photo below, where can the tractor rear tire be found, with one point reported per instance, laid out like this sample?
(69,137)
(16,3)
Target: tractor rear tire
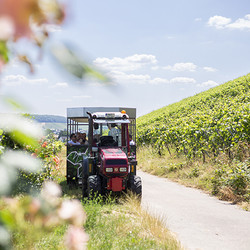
(94,186)
(135,185)
(84,177)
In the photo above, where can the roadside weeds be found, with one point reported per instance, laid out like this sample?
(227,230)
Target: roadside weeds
(229,181)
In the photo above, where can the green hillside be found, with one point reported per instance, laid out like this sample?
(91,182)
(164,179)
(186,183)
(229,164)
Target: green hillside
(49,118)
(214,121)
(51,121)
(54,125)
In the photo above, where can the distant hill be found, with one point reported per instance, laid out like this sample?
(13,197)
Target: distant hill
(206,124)
(51,121)
(50,118)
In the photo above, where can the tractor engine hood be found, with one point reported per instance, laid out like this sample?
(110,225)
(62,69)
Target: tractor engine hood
(114,162)
(112,154)
(115,167)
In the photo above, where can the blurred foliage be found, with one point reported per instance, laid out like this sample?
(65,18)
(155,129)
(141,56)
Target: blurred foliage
(47,151)
(26,161)
(75,65)
(38,217)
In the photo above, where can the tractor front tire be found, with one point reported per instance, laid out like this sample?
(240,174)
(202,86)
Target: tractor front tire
(135,185)
(94,186)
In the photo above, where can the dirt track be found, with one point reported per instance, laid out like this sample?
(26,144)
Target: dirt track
(199,220)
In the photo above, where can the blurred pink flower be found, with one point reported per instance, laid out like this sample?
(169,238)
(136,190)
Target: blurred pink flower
(72,211)
(1,64)
(34,206)
(20,13)
(34,155)
(76,238)
(12,203)
(51,190)
(7,28)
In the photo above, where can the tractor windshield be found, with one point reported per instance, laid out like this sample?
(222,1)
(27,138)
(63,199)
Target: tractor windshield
(115,130)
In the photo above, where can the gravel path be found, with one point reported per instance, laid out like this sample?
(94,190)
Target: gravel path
(199,220)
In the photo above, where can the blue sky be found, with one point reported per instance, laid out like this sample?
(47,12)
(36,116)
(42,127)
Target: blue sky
(156,52)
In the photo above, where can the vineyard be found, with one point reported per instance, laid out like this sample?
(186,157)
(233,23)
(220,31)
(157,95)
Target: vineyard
(205,125)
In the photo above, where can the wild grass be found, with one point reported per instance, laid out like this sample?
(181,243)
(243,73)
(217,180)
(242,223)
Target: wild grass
(118,224)
(228,180)
(125,225)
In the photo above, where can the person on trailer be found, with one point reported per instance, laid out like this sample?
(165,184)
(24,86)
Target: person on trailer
(131,142)
(81,138)
(73,140)
(115,133)
(84,140)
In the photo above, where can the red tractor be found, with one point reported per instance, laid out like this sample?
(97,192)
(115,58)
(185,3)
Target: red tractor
(107,160)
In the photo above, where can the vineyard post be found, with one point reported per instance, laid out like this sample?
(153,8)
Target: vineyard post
(223,147)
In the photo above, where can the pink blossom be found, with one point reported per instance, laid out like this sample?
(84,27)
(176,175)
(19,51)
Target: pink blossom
(72,211)
(20,13)
(51,190)
(76,238)
(7,28)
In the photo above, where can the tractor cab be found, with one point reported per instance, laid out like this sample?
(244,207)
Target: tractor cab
(106,161)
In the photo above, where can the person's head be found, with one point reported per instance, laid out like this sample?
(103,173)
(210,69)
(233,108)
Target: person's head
(73,137)
(130,137)
(113,125)
(96,126)
(78,136)
(84,136)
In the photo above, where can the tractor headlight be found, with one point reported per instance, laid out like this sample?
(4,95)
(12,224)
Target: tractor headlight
(123,169)
(109,170)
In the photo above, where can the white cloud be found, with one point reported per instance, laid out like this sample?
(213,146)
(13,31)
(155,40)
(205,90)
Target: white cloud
(155,67)
(129,63)
(209,69)
(220,22)
(198,19)
(122,77)
(209,83)
(14,80)
(59,85)
(81,96)
(158,80)
(241,23)
(170,37)
(181,67)
(119,76)
(182,80)
(64,100)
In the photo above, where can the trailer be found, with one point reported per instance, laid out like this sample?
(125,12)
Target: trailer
(101,150)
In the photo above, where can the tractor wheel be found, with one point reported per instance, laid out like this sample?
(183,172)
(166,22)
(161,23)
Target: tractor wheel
(134,184)
(94,186)
(84,187)
(84,177)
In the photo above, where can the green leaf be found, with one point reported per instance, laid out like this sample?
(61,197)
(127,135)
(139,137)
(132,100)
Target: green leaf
(13,103)
(23,138)
(4,51)
(75,65)
(7,219)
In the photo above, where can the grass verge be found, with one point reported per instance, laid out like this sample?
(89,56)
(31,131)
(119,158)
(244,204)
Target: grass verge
(122,224)
(228,180)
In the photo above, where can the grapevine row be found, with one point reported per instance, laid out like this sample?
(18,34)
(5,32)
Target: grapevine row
(204,125)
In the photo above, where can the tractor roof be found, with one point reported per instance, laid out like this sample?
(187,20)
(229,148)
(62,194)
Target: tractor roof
(110,117)
(80,114)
